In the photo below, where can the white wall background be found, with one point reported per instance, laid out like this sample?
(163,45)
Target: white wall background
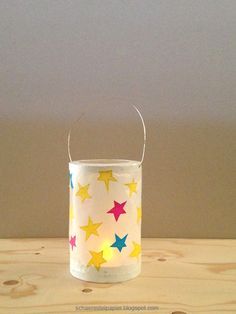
(174,59)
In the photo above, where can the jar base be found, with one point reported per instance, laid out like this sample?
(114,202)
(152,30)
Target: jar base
(107,274)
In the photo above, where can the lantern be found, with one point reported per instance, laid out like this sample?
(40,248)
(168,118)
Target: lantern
(105,218)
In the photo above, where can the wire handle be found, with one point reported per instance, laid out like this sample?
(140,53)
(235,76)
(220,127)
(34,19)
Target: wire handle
(144,135)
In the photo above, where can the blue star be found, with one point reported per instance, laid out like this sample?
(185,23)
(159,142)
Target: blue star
(120,242)
(71,182)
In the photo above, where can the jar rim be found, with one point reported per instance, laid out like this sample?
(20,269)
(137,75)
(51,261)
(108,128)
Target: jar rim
(105,162)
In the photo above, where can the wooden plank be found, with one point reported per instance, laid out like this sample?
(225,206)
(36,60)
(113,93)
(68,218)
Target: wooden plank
(178,276)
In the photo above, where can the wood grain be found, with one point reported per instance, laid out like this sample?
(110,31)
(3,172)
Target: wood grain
(178,276)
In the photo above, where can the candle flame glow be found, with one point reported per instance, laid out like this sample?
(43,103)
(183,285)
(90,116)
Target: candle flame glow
(107,250)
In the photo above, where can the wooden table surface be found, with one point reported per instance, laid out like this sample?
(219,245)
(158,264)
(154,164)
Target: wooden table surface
(178,276)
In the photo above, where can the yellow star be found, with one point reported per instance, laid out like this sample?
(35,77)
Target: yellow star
(136,250)
(83,192)
(139,214)
(72,216)
(132,187)
(106,176)
(91,228)
(97,259)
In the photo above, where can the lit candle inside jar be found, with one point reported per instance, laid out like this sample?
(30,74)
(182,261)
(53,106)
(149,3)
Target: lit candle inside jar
(105,219)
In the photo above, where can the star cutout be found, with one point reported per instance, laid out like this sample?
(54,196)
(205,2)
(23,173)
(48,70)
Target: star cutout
(96,260)
(117,210)
(106,177)
(139,214)
(136,250)
(91,228)
(71,181)
(120,242)
(72,242)
(71,213)
(132,187)
(83,192)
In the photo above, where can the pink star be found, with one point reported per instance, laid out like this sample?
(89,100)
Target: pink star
(72,242)
(117,210)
